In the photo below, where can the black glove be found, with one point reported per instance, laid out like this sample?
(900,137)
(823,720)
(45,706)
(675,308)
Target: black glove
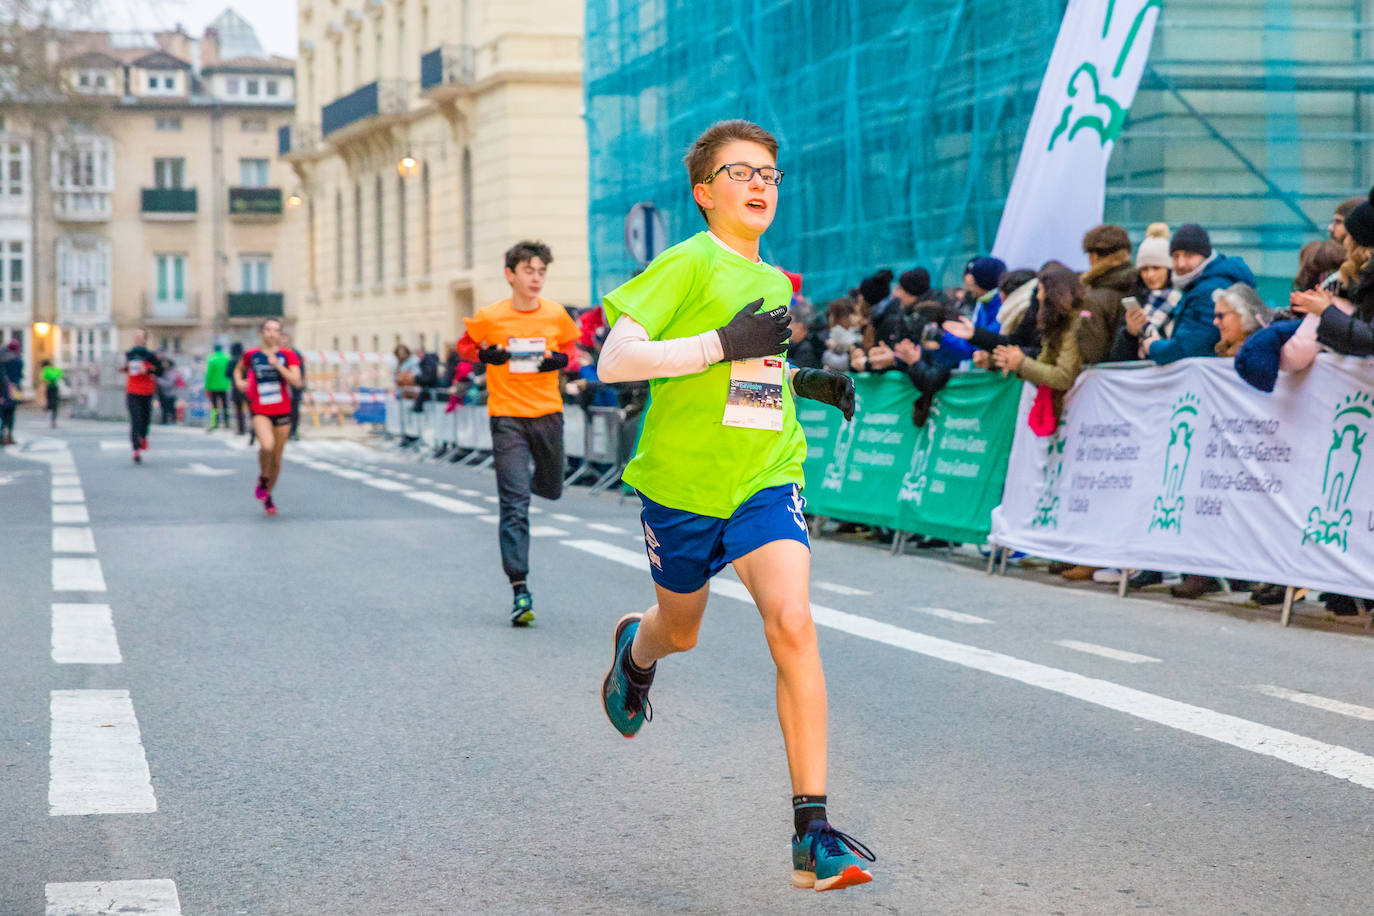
(750,335)
(494,355)
(826,386)
(553,362)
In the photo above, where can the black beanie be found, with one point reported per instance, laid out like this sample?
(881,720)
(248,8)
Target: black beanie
(876,288)
(1360,224)
(1191,237)
(916,282)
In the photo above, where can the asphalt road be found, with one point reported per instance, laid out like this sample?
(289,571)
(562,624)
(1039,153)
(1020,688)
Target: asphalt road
(336,717)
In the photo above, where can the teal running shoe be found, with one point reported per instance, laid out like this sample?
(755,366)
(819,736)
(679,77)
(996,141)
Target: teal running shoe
(522,611)
(626,704)
(827,860)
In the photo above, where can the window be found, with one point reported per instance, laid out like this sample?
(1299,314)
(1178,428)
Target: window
(162,83)
(255,273)
(168,122)
(400,227)
(253,173)
(358,233)
(14,169)
(12,273)
(91,81)
(338,240)
(82,164)
(251,86)
(171,277)
(83,276)
(273,87)
(231,85)
(381,248)
(467,208)
(100,81)
(169,173)
(83,346)
(253,125)
(426,233)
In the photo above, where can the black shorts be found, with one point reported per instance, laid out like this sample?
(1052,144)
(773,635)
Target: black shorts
(283,419)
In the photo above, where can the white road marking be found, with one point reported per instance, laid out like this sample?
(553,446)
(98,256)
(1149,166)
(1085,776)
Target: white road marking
(955,616)
(98,765)
(70,515)
(1105,652)
(346,474)
(470,492)
(445,486)
(535,510)
(546,531)
(608,529)
(77,574)
(839,589)
(1298,750)
(405,476)
(381,483)
(72,540)
(68,495)
(448,503)
(66,480)
(565,517)
(150,897)
(491,499)
(489,519)
(84,634)
(1311,699)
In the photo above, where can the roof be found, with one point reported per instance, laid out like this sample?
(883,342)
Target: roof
(93,59)
(272,64)
(160,60)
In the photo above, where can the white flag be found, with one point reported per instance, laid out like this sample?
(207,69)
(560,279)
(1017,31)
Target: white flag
(1061,177)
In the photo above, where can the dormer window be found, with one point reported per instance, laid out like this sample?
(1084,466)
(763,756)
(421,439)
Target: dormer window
(251,86)
(231,85)
(92,81)
(162,82)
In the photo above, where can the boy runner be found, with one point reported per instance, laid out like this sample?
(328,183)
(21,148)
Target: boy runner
(141,367)
(262,375)
(719,466)
(525,341)
(217,369)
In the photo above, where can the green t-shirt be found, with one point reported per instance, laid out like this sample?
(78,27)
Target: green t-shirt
(687,458)
(217,371)
(51,375)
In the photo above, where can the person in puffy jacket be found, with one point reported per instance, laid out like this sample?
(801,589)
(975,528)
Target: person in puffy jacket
(1347,326)
(1198,272)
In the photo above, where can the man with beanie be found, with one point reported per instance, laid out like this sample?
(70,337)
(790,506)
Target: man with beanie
(1111,276)
(980,285)
(1198,272)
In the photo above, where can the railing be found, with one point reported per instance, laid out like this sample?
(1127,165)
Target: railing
(169,203)
(81,206)
(448,65)
(169,312)
(380,97)
(255,201)
(256,305)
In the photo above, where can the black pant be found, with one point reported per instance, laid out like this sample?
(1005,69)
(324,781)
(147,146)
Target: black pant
(7,415)
(219,407)
(169,408)
(140,415)
(240,401)
(295,409)
(54,401)
(515,442)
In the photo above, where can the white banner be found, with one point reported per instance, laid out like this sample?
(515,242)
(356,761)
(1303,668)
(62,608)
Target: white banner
(1061,177)
(1186,468)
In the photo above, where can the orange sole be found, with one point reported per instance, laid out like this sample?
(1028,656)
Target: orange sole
(852,876)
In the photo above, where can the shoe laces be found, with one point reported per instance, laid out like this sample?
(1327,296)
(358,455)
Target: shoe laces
(834,843)
(637,700)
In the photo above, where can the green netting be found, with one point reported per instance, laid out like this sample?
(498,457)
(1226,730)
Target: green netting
(901,122)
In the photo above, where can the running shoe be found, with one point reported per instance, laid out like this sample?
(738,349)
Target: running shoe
(261,491)
(138,457)
(626,704)
(828,860)
(522,610)
(143,444)
(270,506)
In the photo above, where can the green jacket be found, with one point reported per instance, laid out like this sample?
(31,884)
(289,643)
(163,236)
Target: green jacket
(217,369)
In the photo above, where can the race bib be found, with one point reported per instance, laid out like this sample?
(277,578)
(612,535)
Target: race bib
(526,353)
(269,393)
(754,399)
(138,367)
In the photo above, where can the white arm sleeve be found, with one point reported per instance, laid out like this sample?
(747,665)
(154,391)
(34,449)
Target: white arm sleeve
(630,356)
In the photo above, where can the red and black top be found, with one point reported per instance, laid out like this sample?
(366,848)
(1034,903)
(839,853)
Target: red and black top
(267,390)
(142,368)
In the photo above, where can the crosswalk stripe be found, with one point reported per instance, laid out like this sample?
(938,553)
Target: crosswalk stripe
(77,574)
(840,589)
(447,503)
(608,529)
(1105,651)
(546,531)
(381,483)
(955,616)
(150,897)
(1298,750)
(66,480)
(68,495)
(1353,710)
(66,539)
(84,634)
(98,765)
(70,515)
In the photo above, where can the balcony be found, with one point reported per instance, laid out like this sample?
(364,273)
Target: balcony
(374,105)
(169,203)
(447,71)
(299,141)
(255,204)
(256,306)
(171,313)
(81,206)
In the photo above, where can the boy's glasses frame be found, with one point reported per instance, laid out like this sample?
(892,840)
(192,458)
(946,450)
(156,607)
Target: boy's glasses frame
(763,172)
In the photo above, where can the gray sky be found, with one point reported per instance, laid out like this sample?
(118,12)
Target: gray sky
(274,20)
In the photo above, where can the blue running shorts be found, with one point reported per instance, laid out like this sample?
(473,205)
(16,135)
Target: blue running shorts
(686,550)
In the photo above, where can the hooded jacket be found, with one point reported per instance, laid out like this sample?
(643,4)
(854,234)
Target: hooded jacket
(1194,333)
(1110,281)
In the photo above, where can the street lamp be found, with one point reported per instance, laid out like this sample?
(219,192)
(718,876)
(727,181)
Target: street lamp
(41,329)
(407,166)
(294,200)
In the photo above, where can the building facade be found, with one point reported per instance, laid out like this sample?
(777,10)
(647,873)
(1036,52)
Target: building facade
(429,137)
(150,196)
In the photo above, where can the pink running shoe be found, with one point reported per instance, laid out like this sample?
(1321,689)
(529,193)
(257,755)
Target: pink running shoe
(270,506)
(261,491)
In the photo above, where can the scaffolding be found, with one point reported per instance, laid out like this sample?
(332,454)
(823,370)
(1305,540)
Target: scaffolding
(901,123)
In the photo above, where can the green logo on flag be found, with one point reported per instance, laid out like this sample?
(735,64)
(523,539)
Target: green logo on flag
(1168,507)
(1047,504)
(1330,523)
(838,467)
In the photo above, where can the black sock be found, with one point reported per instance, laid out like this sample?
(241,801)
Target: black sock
(520,588)
(640,677)
(805,809)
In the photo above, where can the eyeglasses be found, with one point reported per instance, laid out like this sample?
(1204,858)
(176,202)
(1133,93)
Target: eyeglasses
(743,171)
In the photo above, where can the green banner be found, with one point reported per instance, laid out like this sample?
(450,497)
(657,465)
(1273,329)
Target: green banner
(941,480)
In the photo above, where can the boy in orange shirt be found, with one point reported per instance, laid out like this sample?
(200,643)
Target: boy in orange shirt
(524,341)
